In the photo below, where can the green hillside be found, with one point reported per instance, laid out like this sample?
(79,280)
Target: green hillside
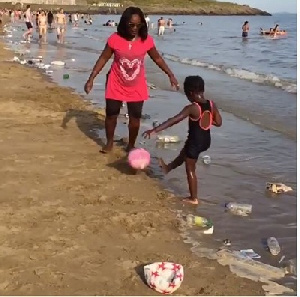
(205,7)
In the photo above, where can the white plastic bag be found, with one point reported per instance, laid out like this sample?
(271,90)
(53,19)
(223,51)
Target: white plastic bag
(164,277)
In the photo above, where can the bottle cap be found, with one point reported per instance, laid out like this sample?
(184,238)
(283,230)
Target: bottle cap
(209,223)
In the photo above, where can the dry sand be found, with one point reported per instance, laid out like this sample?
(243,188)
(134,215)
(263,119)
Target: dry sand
(77,222)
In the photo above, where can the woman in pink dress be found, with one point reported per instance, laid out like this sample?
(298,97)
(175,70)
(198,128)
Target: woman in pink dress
(126,81)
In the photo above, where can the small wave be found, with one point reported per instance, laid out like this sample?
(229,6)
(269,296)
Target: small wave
(268,79)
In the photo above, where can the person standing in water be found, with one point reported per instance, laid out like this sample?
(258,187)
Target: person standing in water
(29,25)
(50,18)
(43,27)
(245,29)
(61,22)
(147,19)
(161,26)
(126,81)
(202,114)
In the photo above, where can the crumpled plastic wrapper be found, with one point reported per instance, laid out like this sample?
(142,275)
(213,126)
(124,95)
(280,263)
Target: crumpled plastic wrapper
(164,277)
(278,188)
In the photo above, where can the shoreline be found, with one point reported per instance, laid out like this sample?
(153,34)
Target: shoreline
(73,203)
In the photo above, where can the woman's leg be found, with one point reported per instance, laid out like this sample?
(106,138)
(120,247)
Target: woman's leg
(135,114)
(112,111)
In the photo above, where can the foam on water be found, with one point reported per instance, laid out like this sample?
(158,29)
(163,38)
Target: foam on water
(288,86)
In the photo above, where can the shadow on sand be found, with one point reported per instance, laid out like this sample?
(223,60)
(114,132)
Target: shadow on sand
(87,121)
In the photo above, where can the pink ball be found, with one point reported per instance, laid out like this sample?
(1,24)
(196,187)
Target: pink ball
(139,158)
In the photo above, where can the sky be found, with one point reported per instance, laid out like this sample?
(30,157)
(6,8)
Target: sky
(271,6)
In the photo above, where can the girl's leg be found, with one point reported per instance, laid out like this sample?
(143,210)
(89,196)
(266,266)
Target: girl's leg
(190,165)
(178,161)
(135,114)
(112,111)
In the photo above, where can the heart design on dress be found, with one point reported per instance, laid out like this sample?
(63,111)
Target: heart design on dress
(130,69)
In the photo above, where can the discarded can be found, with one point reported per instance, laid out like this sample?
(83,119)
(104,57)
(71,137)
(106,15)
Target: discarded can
(155,124)
(227,242)
(66,76)
(206,159)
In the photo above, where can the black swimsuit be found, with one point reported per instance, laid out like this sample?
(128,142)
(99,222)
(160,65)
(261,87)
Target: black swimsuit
(198,139)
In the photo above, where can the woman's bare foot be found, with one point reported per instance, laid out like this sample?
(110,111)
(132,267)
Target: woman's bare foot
(107,148)
(163,166)
(190,200)
(129,148)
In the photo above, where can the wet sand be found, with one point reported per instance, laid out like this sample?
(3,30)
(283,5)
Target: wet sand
(77,222)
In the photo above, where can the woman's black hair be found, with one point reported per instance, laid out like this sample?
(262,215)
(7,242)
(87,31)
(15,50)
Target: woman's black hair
(122,28)
(193,83)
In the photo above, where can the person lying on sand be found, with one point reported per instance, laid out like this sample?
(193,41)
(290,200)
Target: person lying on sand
(202,115)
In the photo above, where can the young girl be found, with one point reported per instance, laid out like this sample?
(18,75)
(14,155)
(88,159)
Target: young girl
(202,115)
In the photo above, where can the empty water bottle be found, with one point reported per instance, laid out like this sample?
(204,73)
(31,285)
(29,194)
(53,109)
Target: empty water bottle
(198,221)
(168,139)
(239,209)
(273,246)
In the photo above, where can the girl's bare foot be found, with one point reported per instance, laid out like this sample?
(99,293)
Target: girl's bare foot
(163,166)
(190,200)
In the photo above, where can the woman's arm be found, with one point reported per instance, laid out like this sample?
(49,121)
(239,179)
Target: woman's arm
(160,62)
(104,57)
(217,119)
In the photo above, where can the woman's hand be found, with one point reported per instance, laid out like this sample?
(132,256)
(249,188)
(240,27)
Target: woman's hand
(174,82)
(147,134)
(88,86)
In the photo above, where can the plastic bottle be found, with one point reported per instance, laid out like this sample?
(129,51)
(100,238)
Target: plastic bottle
(291,267)
(168,139)
(273,246)
(66,76)
(198,221)
(239,209)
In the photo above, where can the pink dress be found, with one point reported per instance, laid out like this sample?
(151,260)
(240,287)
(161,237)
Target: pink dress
(127,81)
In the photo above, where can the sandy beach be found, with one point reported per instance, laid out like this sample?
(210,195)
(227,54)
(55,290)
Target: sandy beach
(77,222)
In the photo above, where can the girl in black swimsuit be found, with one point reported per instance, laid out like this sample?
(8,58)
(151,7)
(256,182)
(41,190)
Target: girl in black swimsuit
(202,115)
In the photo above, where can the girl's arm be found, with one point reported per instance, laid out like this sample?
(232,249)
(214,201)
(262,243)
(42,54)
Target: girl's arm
(187,111)
(217,119)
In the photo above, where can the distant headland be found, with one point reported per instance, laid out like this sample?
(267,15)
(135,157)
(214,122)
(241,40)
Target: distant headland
(157,7)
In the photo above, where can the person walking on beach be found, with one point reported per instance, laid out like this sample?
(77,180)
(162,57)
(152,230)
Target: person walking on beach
(202,114)
(50,18)
(43,27)
(161,26)
(126,80)
(245,29)
(61,22)
(29,25)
